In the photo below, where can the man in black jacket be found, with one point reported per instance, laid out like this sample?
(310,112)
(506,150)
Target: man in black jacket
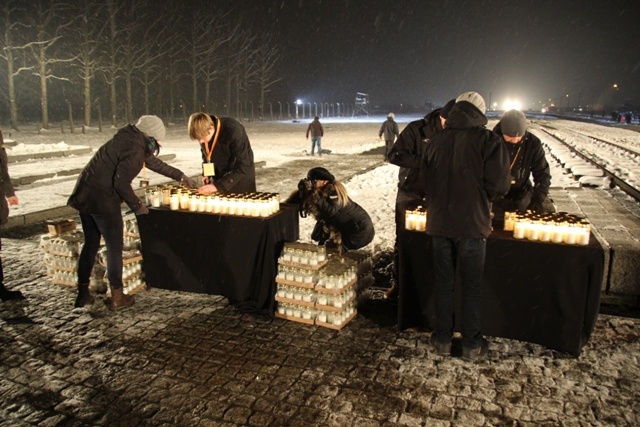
(466,166)
(390,131)
(227,157)
(103,184)
(527,158)
(407,153)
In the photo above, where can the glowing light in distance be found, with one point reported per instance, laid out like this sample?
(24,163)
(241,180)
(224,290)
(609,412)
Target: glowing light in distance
(512,104)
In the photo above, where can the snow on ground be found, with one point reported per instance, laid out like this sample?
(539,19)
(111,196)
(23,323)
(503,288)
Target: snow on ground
(273,142)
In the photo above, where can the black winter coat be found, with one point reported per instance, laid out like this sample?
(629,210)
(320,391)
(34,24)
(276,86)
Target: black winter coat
(232,158)
(353,222)
(389,129)
(407,152)
(105,182)
(6,187)
(531,160)
(467,166)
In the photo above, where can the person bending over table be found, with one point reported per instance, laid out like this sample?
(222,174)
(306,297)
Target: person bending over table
(340,220)
(103,184)
(227,157)
(526,158)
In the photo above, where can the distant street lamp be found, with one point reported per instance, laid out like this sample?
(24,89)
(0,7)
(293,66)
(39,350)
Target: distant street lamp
(338,104)
(326,108)
(315,104)
(298,102)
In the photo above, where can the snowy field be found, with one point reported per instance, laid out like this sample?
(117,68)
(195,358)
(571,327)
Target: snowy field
(275,143)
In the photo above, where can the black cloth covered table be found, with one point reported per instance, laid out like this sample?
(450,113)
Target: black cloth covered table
(537,292)
(232,256)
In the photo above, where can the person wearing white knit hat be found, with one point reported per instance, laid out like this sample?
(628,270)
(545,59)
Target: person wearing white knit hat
(466,167)
(102,186)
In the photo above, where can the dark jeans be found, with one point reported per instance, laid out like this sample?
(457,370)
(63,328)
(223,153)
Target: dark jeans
(109,226)
(465,256)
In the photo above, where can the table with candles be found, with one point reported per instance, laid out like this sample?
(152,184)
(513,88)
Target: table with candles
(223,244)
(542,280)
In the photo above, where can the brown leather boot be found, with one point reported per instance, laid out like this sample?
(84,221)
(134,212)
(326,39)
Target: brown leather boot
(84,296)
(120,300)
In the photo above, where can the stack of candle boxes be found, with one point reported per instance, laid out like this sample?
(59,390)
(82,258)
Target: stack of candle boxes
(62,249)
(240,204)
(558,227)
(314,287)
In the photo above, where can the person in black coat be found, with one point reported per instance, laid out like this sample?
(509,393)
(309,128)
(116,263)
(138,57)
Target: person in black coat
(466,166)
(103,184)
(7,198)
(339,219)
(407,153)
(526,159)
(390,130)
(227,157)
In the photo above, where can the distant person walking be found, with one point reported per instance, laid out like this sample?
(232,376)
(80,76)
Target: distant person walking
(390,131)
(316,131)
(8,198)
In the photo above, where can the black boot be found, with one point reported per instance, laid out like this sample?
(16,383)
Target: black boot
(84,296)
(5,294)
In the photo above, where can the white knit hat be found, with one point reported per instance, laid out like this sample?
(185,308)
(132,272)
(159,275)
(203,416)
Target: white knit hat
(152,126)
(391,115)
(475,99)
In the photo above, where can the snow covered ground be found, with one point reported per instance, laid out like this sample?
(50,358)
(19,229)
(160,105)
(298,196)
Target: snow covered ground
(276,143)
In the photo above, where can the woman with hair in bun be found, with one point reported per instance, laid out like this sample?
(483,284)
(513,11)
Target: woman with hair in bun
(340,219)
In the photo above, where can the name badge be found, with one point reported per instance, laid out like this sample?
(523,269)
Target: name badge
(208,170)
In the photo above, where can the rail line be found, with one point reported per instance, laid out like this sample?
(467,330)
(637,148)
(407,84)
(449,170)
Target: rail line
(617,162)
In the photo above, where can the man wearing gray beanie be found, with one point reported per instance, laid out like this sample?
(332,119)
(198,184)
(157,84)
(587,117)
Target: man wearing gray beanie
(526,159)
(102,186)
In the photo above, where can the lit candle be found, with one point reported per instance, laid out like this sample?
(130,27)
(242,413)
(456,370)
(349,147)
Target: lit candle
(518,230)
(184,200)
(174,202)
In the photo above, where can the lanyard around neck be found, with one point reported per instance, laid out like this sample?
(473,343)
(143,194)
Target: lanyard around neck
(515,158)
(216,133)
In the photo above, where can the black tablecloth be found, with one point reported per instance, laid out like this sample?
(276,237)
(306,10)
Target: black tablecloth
(232,256)
(543,293)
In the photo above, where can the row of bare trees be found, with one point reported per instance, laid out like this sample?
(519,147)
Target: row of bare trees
(132,56)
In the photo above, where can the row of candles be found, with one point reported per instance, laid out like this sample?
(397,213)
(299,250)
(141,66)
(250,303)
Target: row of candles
(308,295)
(327,280)
(416,219)
(310,313)
(308,256)
(241,204)
(552,227)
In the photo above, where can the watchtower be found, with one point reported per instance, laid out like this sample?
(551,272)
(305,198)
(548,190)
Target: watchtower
(361,105)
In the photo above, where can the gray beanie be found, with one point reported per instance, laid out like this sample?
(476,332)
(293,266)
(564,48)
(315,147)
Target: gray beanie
(513,123)
(475,99)
(152,126)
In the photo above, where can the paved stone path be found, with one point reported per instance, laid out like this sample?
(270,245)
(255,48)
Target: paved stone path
(180,359)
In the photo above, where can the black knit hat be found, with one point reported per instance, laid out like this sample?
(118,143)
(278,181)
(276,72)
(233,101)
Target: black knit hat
(320,174)
(513,123)
(444,111)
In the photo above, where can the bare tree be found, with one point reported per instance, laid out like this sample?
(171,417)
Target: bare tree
(8,9)
(266,58)
(88,34)
(111,70)
(48,33)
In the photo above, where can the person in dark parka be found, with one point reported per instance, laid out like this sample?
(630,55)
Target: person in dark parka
(227,157)
(466,167)
(390,131)
(326,199)
(7,197)
(103,184)
(407,153)
(526,159)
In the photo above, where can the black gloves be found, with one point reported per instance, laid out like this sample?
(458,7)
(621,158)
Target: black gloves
(189,182)
(536,207)
(142,210)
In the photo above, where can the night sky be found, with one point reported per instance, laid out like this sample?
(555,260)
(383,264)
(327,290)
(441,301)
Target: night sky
(412,52)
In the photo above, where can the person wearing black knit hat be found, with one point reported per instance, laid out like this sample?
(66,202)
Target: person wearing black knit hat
(340,220)
(527,159)
(407,153)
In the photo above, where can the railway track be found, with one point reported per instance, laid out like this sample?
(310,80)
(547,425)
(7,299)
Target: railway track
(587,155)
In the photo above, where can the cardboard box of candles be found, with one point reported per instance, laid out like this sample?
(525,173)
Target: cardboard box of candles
(559,227)
(319,289)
